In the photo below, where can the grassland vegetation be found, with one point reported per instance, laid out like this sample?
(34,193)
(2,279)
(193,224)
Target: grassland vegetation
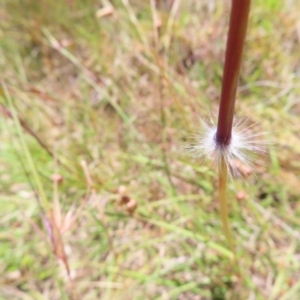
(98,199)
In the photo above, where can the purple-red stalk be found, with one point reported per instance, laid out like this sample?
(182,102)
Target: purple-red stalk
(233,58)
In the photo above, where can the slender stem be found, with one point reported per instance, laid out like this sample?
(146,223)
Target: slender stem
(233,59)
(223,174)
(160,62)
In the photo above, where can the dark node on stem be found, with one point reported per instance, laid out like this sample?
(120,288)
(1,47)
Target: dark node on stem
(223,141)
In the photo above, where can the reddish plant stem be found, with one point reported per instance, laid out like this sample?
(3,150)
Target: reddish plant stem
(4,111)
(233,58)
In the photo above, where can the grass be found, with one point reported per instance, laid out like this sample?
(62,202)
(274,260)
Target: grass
(113,99)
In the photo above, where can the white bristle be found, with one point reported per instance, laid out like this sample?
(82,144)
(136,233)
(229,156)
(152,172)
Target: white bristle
(241,147)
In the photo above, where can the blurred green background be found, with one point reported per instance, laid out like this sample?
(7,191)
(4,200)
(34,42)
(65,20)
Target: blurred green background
(98,198)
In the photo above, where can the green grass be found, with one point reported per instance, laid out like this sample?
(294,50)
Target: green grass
(114,104)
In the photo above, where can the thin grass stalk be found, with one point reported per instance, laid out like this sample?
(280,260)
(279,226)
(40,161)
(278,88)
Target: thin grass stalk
(233,59)
(160,61)
(223,176)
(27,154)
